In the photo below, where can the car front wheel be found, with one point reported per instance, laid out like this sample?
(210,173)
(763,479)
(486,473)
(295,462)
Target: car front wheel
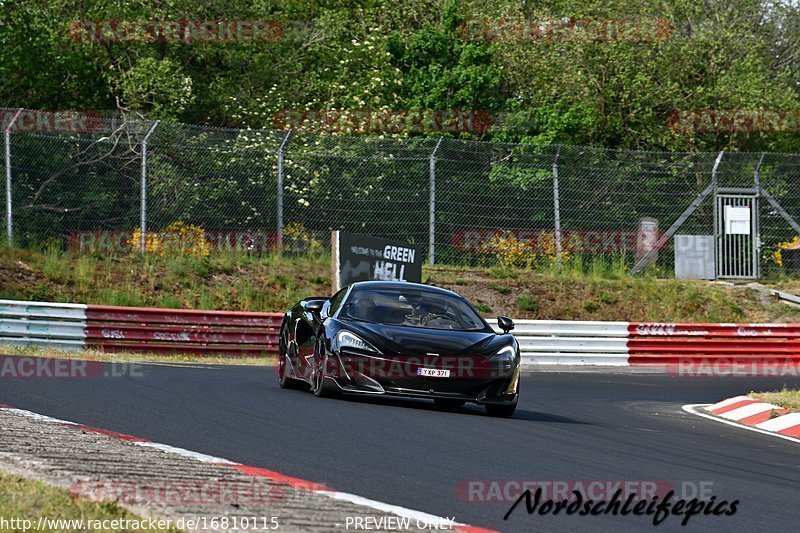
(320,386)
(503,410)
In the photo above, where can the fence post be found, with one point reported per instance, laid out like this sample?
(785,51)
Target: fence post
(717,241)
(143,210)
(432,206)
(757,216)
(9,203)
(557,209)
(281,154)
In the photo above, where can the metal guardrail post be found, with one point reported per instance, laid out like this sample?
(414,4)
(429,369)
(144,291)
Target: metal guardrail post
(432,206)
(143,211)
(281,155)
(557,209)
(9,202)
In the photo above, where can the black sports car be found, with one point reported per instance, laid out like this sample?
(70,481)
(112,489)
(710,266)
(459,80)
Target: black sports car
(403,339)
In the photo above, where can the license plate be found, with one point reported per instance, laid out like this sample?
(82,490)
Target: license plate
(433,372)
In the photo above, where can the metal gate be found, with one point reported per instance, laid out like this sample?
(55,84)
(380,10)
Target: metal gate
(737,234)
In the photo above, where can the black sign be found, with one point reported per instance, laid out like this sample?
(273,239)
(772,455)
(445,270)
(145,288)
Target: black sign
(362,258)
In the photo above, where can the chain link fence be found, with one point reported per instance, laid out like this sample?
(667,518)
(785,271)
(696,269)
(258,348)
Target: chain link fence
(88,183)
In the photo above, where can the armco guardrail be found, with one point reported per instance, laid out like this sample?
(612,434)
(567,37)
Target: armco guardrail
(153,330)
(138,329)
(556,342)
(566,342)
(543,342)
(59,326)
(654,343)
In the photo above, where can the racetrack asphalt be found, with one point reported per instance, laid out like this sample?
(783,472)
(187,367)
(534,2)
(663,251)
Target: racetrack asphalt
(568,427)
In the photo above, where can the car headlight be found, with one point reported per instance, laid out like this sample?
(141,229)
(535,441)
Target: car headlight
(507,352)
(351,340)
(505,358)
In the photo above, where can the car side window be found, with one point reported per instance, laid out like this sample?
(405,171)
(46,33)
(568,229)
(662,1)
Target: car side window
(336,302)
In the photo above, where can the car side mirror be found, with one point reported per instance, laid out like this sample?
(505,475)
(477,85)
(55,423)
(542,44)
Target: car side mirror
(315,306)
(505,323)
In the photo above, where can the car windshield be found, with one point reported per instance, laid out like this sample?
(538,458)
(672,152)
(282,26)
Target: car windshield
(413,308)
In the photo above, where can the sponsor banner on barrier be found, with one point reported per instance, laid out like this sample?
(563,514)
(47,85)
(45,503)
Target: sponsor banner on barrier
(189,334)
(663,329)
(363,258)
(667,329)
(106,241)
(716,350)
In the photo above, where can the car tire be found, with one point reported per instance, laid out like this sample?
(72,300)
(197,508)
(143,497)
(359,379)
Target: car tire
(447,404)
(284,381)
(321,387)
(503,410)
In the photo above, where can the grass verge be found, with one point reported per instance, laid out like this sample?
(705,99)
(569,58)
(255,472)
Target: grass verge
(583,289)
(228,281)
(126,357)
(28,500)
(788,398)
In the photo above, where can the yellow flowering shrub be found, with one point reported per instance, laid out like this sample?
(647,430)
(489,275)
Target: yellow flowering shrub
(178,238)
(777,255)
(296,238)
(511,251)
(547,246)
(507,249)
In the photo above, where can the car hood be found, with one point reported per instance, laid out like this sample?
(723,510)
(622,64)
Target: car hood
(420,341)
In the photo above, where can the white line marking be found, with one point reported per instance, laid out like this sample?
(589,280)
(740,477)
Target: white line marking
(343,496)
(186,453)
(176,365)
(690,408)
(40,418)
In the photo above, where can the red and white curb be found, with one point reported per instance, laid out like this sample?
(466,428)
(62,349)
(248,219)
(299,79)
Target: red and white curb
(748,413)
(420,517)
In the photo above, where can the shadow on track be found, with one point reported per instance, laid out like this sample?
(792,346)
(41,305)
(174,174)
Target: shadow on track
(422,404)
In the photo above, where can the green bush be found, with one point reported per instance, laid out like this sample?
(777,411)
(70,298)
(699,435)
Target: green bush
(502,289)
(483,307)
(526,302)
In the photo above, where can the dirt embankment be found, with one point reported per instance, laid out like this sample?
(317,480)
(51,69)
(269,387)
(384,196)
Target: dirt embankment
(273,283)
